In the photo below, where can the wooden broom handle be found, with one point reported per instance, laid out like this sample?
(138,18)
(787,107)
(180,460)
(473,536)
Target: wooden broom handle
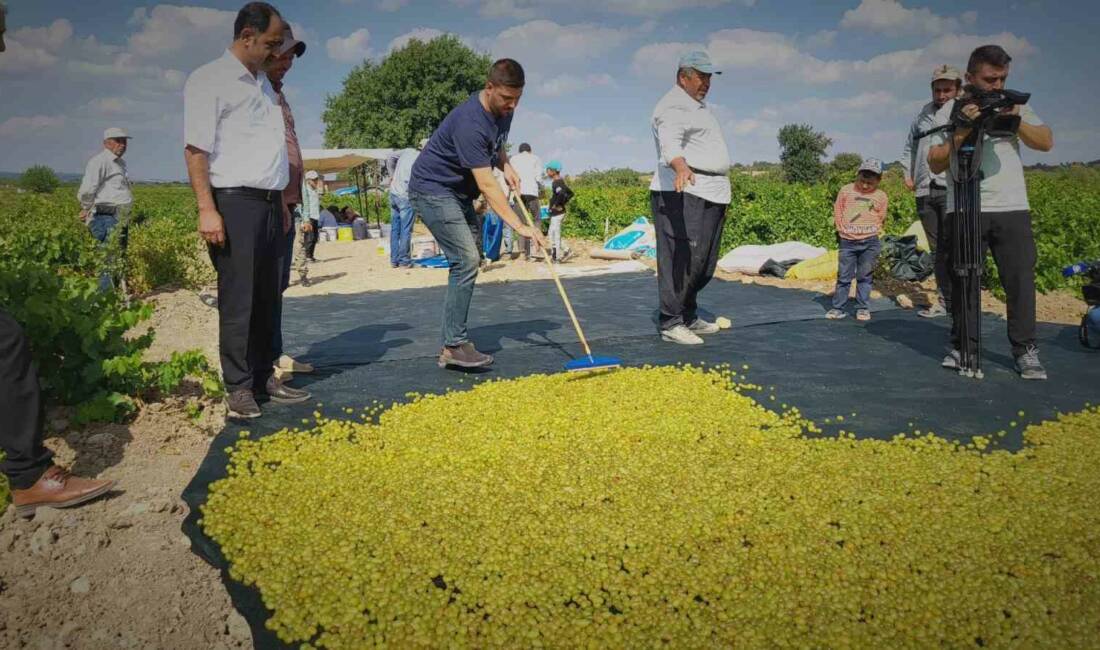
(554,274)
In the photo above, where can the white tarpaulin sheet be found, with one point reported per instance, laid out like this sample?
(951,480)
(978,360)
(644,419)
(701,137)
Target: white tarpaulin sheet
(749,258)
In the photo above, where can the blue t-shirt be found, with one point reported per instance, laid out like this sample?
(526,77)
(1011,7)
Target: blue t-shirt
(469,138)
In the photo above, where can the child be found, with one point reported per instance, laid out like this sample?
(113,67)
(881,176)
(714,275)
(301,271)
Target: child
(560,194)
(859,213)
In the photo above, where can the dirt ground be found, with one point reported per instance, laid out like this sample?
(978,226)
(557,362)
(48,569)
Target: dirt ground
(119,573)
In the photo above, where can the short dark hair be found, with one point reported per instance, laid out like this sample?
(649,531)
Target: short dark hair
(993,55)
(333,209)
(524,147)
(507,72)
(256,15)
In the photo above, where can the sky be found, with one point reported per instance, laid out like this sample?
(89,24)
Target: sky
(859,70)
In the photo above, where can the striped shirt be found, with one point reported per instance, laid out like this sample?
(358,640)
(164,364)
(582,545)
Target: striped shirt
(857,215)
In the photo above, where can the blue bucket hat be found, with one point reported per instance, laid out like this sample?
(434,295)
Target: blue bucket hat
(699,60)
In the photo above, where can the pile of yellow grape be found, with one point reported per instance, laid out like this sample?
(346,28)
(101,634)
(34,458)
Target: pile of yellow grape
(655,506)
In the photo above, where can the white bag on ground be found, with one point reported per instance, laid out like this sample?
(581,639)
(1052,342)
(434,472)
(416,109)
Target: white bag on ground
(639,237)
(749,258)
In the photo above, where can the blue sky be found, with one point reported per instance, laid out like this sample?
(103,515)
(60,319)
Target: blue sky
(856,69)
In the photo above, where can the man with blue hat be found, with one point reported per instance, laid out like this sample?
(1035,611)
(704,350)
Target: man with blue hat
(689,196)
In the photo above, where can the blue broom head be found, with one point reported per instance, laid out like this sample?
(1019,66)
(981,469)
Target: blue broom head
(593,363)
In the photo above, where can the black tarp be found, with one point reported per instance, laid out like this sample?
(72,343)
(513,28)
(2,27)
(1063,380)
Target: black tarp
(380,346)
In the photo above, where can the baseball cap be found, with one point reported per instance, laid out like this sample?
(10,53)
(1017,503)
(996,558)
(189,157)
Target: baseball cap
(554,164)
(114,132)
(873,165)
(946,72)
(423,143)
(311,174)
(291,43)
(699,60)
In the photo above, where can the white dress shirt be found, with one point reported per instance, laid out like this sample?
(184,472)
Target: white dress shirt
(684,127)
(529,168)
(236,118)
(914,155)
(402,172)
(105,182)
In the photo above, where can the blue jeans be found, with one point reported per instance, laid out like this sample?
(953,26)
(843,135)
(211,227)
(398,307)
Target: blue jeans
(1092,323)
(101,226)
(453,223)
(401,228)
(857,261)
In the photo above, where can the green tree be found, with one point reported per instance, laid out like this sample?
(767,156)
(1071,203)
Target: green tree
(39,179)
(846,163)
(801,151)
(403,98)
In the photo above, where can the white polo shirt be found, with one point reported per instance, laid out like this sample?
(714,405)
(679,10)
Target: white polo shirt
(236,118)
(684,127)
(530,170)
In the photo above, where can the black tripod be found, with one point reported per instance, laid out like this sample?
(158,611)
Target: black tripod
(968,258)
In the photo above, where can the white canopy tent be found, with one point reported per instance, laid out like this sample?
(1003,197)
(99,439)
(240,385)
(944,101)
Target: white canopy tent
(328,161)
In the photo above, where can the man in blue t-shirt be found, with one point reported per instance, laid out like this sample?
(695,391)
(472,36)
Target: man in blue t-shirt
(455,167)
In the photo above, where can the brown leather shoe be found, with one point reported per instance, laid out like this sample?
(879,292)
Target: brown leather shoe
(464,356)
(58,489)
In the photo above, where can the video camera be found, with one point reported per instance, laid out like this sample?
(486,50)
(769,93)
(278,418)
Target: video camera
(990,103)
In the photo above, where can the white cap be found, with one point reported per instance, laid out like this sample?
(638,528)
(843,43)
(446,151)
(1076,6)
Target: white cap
(114,132)
(873,165)
(311,175)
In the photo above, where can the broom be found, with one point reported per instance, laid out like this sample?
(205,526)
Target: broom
(588,362)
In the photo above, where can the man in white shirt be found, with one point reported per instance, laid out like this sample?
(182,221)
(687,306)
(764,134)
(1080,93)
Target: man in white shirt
(104,194)
(531,172)
(931,189)
(1005,213)
(236,156)
(402,216)
(689,196)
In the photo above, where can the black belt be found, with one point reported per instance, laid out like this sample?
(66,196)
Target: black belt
(705,173)
(933,186)
(268,196)
(106,209)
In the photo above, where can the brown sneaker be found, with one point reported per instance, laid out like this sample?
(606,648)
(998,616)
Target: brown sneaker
(241,405)
(57,489)
(280,393)
(464,356)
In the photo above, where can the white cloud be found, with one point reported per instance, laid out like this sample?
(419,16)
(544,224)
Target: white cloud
(542,43)
(766,54)
(660,59)
(352,48)
(424,34)
(566,84)
(35,48)
(527,9)
(20,126)
(891,17)
(166,30)
(823,38)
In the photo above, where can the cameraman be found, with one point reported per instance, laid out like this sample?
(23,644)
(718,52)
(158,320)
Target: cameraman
(1005,219)
(931,189)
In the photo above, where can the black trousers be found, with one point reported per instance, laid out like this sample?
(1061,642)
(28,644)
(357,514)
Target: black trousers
(689,232)
(25,458)
(311,238)
(932,210)
(248,287)
(1010,238)
(531,202)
